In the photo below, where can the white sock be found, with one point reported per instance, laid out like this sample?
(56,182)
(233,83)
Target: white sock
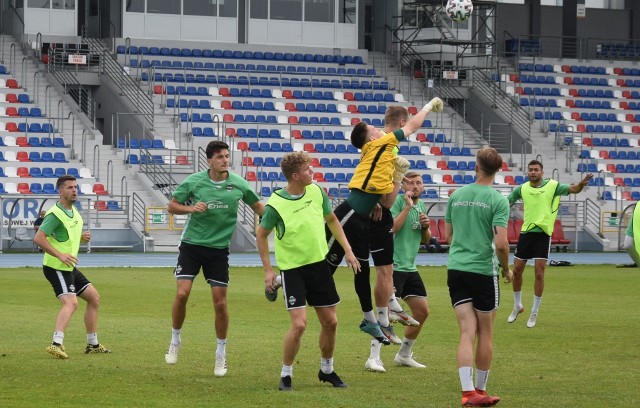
(175,336)
(517,300)
(394,305)
(286,371)
(58,337)
(536,304)
(92,338)
(375,349)
(481,379)
(370,316)
(221,348)
(405,348)
(326,365)
(466,378)
(383,316)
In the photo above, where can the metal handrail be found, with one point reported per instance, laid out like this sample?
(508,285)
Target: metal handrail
(110,67)
(12,58)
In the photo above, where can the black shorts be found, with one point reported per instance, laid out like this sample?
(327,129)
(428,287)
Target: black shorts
(482,290)
(533,245)
(213,261)
(381,239)
(356,229)
(309,284)
(66,282)
(407,284)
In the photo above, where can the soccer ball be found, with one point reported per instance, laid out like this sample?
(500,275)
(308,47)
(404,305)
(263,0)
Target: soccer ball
(459,10)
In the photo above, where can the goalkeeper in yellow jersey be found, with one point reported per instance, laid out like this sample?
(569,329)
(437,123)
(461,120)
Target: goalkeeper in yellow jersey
(376,180)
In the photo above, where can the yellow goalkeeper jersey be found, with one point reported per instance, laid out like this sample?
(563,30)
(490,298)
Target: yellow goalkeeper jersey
(374,173)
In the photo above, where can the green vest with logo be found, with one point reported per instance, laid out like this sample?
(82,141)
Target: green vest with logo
(540,206)
(300,238)
(73,224)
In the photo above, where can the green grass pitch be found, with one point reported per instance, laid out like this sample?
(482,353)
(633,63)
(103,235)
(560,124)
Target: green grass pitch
(583,353)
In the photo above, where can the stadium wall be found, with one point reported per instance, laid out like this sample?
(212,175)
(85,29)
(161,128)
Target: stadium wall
(514,20)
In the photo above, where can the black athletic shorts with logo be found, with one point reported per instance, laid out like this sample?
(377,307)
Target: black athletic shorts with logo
(533,245)
(381,239)
(408,284)
(309,284)
(213,261)
(481,290)
(66,282)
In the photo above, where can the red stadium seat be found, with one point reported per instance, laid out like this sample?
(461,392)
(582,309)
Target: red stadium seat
(182,160)
(99,189)
(100,205)
(441,228)
(23,156)
(23,188)
(557,237)
(513,231)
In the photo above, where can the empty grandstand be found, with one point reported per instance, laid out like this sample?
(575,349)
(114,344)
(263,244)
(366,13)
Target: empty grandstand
(126,96)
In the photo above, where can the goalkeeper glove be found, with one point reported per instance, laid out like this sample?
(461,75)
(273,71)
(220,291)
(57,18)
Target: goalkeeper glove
(401,165)
(434,105)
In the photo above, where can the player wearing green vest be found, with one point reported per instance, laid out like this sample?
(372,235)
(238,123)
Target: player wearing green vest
(541,199)
(630,245)
(211,199)
(376,180)
(298,213)
(59,236)
(476,225)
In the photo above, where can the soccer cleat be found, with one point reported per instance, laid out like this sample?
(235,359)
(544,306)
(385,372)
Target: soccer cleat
(57,351)
(374,330)
(407,361)
(403,318)
(285,383)
(492,400)
(172,355)
(514,314)
(332,378)
(390,334)
(477,398)
(221,366)
(97,349)
(531,323)
(375,364)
